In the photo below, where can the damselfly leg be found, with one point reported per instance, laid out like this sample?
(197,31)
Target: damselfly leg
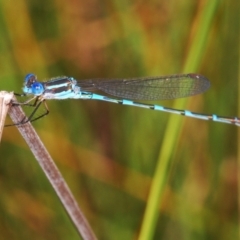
(37,101)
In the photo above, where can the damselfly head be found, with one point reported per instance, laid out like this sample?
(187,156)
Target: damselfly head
(30,78)
(31,86)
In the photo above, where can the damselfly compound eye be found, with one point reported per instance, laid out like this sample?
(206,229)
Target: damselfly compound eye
(37,88)
(30,79)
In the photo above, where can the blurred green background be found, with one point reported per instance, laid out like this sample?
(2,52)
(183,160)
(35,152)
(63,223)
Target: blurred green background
(108,153)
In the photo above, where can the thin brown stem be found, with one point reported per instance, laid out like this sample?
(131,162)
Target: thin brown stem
(50,169)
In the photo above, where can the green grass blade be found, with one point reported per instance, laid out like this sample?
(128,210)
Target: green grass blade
(174,126)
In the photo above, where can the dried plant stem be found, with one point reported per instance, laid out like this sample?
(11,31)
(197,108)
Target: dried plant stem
(5,98)
(50,169)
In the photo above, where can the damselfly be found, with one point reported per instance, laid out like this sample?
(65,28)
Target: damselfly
(125,91)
